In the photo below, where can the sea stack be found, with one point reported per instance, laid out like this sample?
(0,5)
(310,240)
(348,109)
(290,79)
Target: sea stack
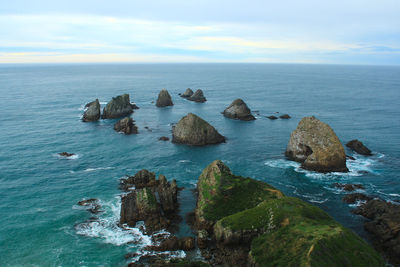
(315,145)
(126,126)
(119,106)
(193,130)
(198,96)
(164,99)
(238,110)
(359,147)
(188,93)
(92,111)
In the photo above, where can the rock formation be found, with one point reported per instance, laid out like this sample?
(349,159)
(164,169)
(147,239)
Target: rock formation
(315,145)
(272,117)
(285,116)
(198,96)
(354,197)
(348,187)
(164,99)
(92,111)
(92,205)
(359,147)
(66,154)
(251,223)
(193,130)
(119,106)
(126,126)
(238,110)
(163,138)
(188,93)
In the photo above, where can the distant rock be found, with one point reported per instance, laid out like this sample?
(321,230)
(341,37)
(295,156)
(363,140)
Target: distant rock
(193,130)
(238,110)
(164,99)
(92,111)
(163,138)
(119,106)
(354,197)
(315,145)
(198,96)
(188,93)
(66,154)
(272,117)
(359,147)
(126,126)
(348,187)
(285,116)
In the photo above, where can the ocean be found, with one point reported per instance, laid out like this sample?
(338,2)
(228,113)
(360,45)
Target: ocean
(42,105)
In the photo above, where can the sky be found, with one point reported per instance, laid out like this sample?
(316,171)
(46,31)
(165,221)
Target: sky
(365,32)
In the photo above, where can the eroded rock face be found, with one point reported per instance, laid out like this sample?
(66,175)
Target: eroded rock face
(92,111)
(359,147)
(119,106)
(142,178)
(198,96)
(193,130)
(126,126)
(164,99)
(188,93)
(238,110)
(315,145)
(168,194)
(384,225)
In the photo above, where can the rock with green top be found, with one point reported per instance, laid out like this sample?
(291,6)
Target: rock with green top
(119,106)
(164,99)
(238,110)
(254,224)
(92,111)
(315,145)
(193,130)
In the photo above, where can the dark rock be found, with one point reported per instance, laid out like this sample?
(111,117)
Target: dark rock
(134,106)
(66,154)
(163,138)
(193,130)
(272,117)
(148,129)
(359,147)
(168,194)
(384,226)
(350,157)
(188,93)
(164,99)
(142,178)
(198,96)
(119,106)
(348,187)
(238,110)
(126,126)
(174,243)
(285,116)
(92,205)
(354,197)
(315,145)
(92,111)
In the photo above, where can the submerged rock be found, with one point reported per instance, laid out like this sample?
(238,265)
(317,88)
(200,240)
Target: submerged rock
(92,111)
(163,138)
(354,197)
(238,110)
(285,116)
(359,147)
(348,187)
(188,93)
(66,154)
(164,99)
(92,205)
(126,126)
(119,106)
(198,96)
(193,130)
(384,226)
(272,117)
(254,224)
(315,145)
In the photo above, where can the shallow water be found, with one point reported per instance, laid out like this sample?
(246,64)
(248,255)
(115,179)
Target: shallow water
(41,109)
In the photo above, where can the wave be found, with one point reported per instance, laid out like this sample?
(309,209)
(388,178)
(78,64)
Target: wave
(98,169)
(184,161)
(103,103)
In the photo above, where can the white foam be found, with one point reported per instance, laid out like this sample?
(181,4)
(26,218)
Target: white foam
(73,157)
(184,161)
(98,169)
(103,103)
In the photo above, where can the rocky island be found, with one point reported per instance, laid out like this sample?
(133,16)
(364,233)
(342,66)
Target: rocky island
(164,99)
(119,106)
(238,110)
(197,96)
(315,145)
(126,126)
(92,111)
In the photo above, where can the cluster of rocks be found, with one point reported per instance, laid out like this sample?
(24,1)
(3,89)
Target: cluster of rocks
(284,117)
(197,96)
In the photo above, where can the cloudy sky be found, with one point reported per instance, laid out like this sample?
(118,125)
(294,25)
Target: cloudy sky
(285,31)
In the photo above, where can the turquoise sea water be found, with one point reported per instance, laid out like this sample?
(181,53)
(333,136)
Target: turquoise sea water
(41,109)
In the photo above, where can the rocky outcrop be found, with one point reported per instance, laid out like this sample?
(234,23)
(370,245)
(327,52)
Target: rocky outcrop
(355,197)
(198,96)
(66,154)
(163,138)
(119,106)
(188,93)
(153,201)
(238,110)
(164,99)
(348,187)
(272,117)
(126,126)
(193,130)
(92,111)
(174,243)
(384,226)
(92,205)
(285,116)
(359,147)
(251,223)
(315,145)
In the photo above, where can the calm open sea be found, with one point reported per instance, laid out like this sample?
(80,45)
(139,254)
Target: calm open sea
(41,108)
